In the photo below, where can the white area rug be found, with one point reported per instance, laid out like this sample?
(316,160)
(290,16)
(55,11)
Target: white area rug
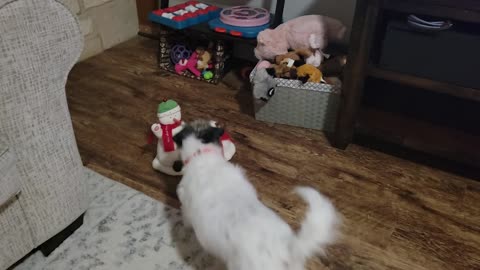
(125,229)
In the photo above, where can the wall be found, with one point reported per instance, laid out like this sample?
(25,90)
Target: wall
(339,9)
(104,23)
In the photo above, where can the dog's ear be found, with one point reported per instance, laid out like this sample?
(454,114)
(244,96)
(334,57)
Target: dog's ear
(212,135)
(179,137)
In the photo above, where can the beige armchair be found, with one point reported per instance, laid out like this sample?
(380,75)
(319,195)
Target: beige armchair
(42,187)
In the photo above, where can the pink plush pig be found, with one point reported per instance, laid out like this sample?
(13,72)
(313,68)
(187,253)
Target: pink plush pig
(310,31)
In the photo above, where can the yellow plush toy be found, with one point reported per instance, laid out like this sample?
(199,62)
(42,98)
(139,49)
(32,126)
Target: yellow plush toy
(309,73)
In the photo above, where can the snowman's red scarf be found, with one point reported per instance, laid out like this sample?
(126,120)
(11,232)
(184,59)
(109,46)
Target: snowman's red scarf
(167,136)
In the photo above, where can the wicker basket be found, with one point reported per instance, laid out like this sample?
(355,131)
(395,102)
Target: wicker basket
(309,105)
(169,37)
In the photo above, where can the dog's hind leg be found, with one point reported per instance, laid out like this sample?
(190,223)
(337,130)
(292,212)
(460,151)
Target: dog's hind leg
(186,221)
(181,197)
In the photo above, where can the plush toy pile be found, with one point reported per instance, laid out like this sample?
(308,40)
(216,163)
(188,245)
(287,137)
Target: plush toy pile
(294,50)
(197,62)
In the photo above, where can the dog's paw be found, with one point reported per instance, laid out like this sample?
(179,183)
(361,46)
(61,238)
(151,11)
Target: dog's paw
(186,222)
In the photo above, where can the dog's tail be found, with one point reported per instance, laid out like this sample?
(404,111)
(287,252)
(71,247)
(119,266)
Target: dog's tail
(319,227)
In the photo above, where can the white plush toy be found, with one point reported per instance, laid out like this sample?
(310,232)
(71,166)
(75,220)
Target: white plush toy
(169,124)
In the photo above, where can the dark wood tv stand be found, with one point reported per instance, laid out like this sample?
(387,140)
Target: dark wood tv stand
(355,118)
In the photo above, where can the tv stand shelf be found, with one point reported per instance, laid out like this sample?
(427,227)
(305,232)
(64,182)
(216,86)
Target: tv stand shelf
(419,82)
(461,10)
(364,78)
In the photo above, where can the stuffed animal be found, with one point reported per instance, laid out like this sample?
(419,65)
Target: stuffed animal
(169,123)
(334,65)
(298,57)
(286,64)
(263,83)
(310,31)
(309,73)
(283,70)
(190,64)
(264,64)
(204,58)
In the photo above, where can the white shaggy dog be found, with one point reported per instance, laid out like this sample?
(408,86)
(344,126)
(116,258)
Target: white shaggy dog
(229,220)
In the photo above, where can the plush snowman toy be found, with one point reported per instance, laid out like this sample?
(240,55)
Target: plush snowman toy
(169,124)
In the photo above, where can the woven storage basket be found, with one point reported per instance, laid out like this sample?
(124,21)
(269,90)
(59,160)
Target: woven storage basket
(169,37)
(309,105)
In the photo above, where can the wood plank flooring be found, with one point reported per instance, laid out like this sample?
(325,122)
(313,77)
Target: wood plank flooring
(396,214)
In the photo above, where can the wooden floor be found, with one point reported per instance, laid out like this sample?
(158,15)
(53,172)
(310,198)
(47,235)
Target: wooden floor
(397,214)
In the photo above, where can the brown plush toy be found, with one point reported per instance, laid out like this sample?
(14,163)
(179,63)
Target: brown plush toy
(286,64)
(334,65)
(281,71)
(298,56)
(204,58)
(309,73)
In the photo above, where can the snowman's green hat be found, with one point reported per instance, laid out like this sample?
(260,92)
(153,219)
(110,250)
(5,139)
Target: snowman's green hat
(167,107)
